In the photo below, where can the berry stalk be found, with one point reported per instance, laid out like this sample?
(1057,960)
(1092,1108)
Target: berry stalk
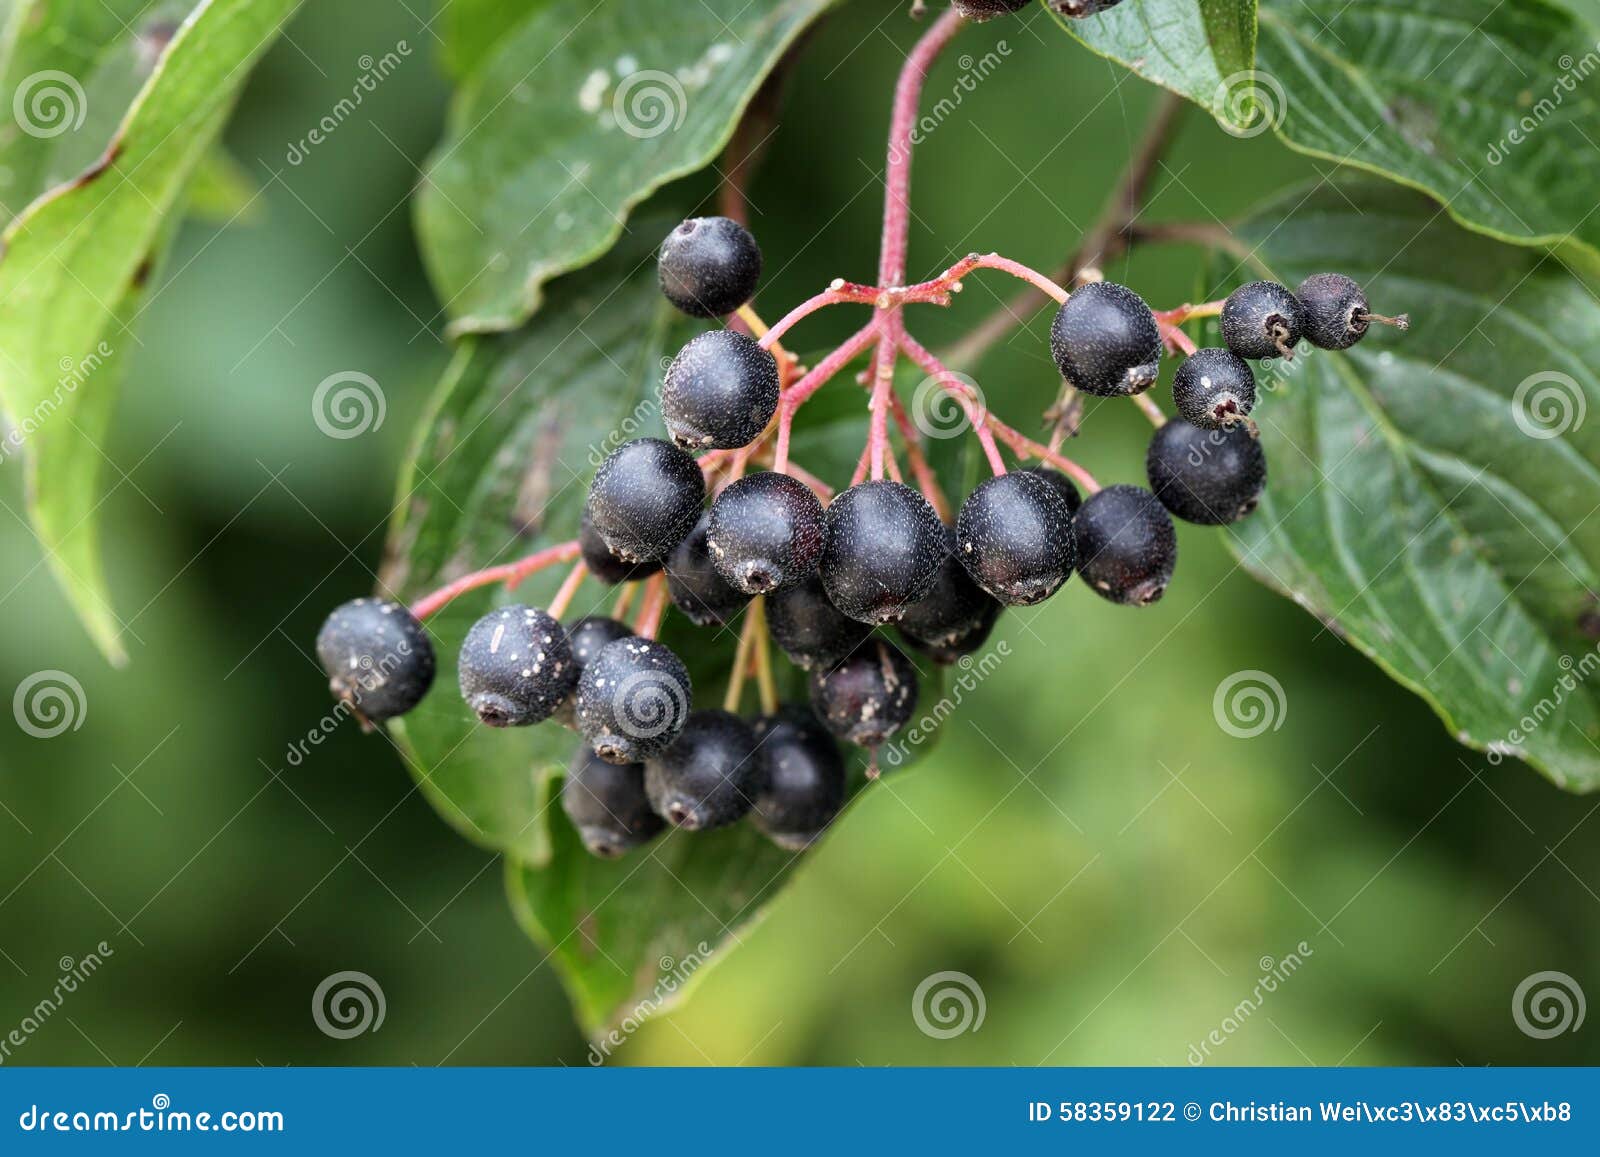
(510,573)
(811,383)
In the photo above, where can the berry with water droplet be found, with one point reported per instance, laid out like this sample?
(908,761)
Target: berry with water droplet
(633,698)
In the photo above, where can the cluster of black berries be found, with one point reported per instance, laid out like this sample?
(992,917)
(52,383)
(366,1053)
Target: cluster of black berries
(877,554)
(988,9)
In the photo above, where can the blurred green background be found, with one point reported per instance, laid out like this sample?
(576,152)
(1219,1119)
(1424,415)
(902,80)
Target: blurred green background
(1111,867)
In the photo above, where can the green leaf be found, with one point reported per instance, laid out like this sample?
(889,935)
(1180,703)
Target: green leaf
(1202,51)
(223,191)
(1490,106)
(1432,495)
(579,114)
(78,251)
(472,29)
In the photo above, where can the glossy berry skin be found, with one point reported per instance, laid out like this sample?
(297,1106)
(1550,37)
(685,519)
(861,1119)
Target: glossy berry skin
(645,498)
(950,651)
(869,696)
(1214,388)
(953,608)
(607,803)
(516,667)
(633,698)
(585,638)
(1334,307)
(1106,341)
(720,392)
(884,548)
(1079,8)
(978,10)
(809,629)
(1212,477)
(1262,320)
(1127,547)
(696,586)
(709,266)
(710,775)
(1064,486)
(1014,536)
(804,786)
(377,657)
(766,532)
(604,565)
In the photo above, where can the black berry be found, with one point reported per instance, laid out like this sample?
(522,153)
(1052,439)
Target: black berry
(954,606)
(720,392)
(377,657)
(1212,477)
(1106,340)
(810,629)
(976,10)
(1063,484)
(585,638)
(645,499)
(884,548)
(766,532)
(1014,536)
(1262,320)
(1127,547)
(606,802)
(604,565)
(1214,388)
(633,698)
(952,650)
(710,775)
(709,266)
(804,786)
(516,667)
(1078,8)
(869,696)
(696,586)
(1336,313)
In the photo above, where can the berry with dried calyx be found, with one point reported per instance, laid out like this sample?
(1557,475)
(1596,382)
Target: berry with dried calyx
(709,266)
(696,586)
(645,498)
(1336,311)
(377,657)
(1212,477)
(980,10)
(1014,536)
(1262,320)
(766,532)
(867,697)
(607,803)
(710,775)
(633,698)
(604,565)
(805,782)
(1214,388)
(885,544)
(1106,341)
(720,392)
(809,629)
(1127,547)
(516,667)
(1080,8)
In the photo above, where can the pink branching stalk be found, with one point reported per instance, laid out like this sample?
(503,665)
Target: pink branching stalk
(511,574)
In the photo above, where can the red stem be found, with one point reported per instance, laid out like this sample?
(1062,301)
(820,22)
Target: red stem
(654,607)
(511,574)
(882,384)
(952,384)
(569,589)
(808,385)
